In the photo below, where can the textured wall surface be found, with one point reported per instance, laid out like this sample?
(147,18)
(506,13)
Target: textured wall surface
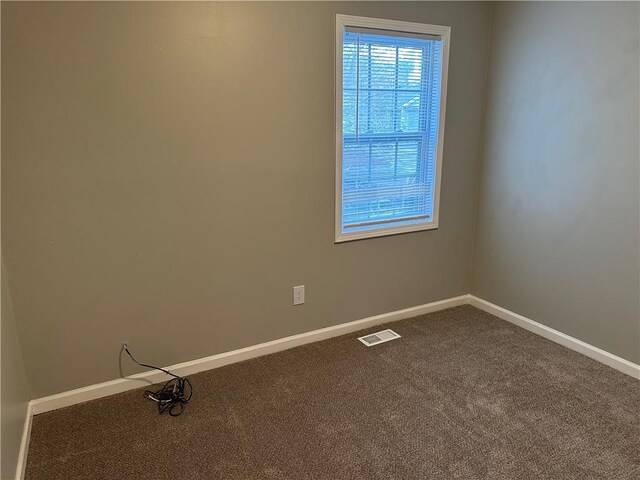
(558,225)
(168,176)
(15,391)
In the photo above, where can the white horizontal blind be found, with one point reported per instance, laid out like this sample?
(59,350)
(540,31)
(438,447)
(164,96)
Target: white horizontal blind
(390,113)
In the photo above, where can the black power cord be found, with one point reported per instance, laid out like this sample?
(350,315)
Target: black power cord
(173,396)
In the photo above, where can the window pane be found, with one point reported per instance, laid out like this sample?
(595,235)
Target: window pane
(409,67)
(349,65)
(349,112)
(409,110)
(408,162)
(355,160)
(382,162)
(364,65)
(378,111)
(383,66)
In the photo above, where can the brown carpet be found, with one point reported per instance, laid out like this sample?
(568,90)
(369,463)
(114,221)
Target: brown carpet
(461,395)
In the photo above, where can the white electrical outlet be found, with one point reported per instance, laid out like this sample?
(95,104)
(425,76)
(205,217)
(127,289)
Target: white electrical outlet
(298,295)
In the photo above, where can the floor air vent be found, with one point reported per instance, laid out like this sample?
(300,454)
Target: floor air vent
(378,337)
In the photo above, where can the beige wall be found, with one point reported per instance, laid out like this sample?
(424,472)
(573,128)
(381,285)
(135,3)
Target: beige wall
(559,203)
(14,390)
(168,176)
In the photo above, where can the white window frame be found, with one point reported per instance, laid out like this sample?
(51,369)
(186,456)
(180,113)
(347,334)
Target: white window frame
(444,32)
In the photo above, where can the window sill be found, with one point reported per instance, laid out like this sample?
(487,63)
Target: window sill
(383,232)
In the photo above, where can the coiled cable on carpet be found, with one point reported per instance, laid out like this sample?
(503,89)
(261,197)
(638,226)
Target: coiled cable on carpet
(173,396)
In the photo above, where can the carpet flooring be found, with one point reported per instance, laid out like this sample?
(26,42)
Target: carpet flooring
(462,395)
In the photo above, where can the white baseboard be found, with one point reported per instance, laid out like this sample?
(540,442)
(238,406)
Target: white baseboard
(24,444)
(602,356)
(99,390)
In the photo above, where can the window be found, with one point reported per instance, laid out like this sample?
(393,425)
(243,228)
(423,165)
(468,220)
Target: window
(390,96)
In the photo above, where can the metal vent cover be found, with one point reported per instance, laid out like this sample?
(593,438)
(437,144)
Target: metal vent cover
(379,337)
